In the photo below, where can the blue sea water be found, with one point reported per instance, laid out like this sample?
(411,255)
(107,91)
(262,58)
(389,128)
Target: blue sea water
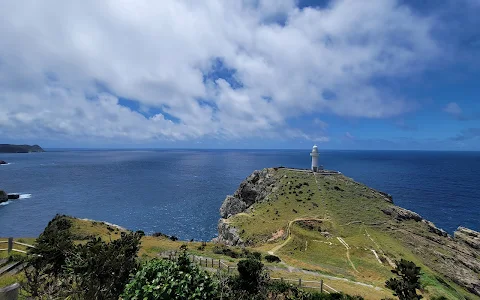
(179,192)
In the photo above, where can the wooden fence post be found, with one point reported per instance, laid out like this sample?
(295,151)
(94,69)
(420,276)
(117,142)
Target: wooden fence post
(219,264)
(10,245)
(321,285)
(212,262)
(299,281)
(228,269)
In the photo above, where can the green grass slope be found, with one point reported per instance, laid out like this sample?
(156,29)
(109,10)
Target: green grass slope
(336,226)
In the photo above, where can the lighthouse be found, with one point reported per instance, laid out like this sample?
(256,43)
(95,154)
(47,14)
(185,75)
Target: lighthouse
(314,156)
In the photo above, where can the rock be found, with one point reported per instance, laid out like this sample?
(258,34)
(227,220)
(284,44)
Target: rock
(2,162)
(3,196)
(433,229)
(468,236)
(13,196)
(255,188)
(228,235)
(232,206)
(402,214)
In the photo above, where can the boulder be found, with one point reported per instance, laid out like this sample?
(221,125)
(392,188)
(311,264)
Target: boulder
(13,196)
(3,196)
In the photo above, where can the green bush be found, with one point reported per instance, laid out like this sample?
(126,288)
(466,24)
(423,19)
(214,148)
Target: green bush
(252,275)
(164,279)
(100,270)
(407,281)
(272,258)
(59,269)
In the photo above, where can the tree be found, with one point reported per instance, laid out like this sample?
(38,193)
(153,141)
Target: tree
(100,270)
(45,262)
(59,269)
(407,282)
(164,279)
(252,275)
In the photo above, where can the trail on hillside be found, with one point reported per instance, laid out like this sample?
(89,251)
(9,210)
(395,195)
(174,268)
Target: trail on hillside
(289,233)
(348,253)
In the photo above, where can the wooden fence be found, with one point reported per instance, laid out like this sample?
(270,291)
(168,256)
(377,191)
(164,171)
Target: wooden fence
(10,243)
(219,264)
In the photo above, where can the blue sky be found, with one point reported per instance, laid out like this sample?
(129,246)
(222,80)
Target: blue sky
(346,74)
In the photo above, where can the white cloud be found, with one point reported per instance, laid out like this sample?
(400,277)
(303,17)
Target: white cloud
(453,108)
(320,124)
(63,65)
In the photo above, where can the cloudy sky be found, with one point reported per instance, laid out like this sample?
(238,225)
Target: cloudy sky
(346,74)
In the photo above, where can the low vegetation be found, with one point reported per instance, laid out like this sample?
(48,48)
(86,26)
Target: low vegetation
(69,263)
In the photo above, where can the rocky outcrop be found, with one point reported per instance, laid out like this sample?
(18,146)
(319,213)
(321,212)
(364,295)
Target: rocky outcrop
(401,214)
(253,189)
(3,196)
(228,235)
(8,148)
(13,196)
(468,236)
(2,162)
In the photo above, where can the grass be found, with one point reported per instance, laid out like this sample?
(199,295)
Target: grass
(338,208)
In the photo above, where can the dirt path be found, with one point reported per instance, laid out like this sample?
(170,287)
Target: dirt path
(289,233)
(348,253)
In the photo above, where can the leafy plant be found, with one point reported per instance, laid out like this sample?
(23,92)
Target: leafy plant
(407,282)
(100,270)
(252,275)
(164,279)
(272,258)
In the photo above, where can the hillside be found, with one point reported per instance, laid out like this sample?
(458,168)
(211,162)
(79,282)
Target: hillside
(333,225)
(9,148)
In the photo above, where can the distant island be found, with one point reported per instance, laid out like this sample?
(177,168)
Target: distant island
(9,148)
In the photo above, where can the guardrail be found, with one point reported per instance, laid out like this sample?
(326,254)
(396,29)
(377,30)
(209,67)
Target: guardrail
(10,242)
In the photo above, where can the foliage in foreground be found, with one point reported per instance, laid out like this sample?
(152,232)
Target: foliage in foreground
(407,282)
(59,269)
(164,279)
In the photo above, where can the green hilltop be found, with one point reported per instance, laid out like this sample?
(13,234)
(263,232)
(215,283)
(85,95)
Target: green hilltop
(330,224)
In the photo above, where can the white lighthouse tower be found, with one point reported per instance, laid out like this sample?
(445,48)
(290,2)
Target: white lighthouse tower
(314,156)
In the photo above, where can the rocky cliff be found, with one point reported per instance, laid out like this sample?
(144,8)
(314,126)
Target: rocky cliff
(267,204)
(9,148)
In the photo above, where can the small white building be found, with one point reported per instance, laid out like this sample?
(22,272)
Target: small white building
(314,156)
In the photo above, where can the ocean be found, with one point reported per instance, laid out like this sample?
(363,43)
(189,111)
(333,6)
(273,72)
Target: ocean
(179,192)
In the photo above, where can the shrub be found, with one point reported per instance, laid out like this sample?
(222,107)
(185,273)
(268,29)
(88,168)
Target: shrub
(272,258)
(164,279)
(100,270)
(159,234)
(252,275)
(407,281)
(224,250)
(173,238)
(95,270)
